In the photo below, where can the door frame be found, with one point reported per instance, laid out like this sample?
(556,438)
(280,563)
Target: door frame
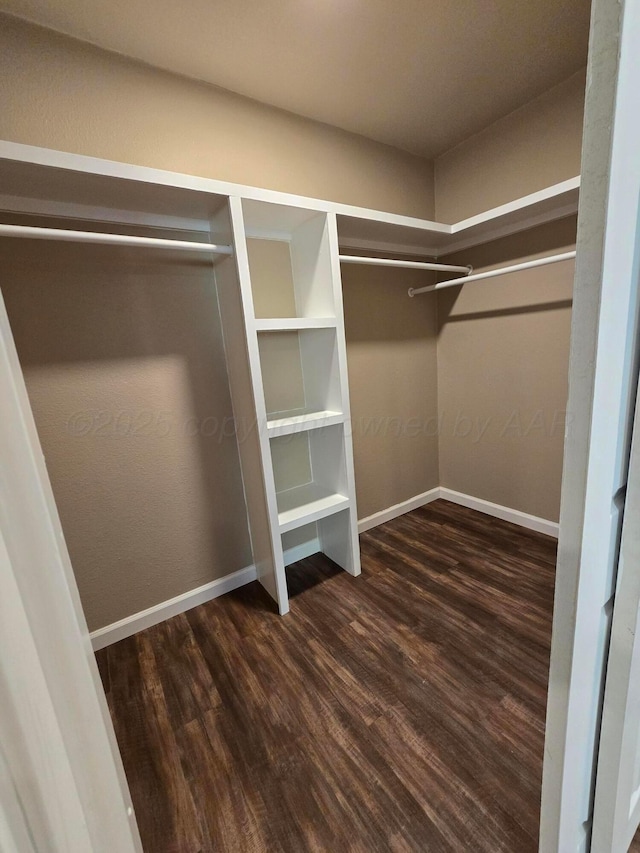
(602,375)
(59,759)
(616,811)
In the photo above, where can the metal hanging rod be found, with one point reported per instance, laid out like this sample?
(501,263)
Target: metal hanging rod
(479,276)
(110,239)
(412,265)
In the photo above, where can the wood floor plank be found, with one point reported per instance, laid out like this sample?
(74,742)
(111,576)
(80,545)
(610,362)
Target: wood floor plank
(399,711)
(224,804)
(102,659)
(188,687)
(161,797)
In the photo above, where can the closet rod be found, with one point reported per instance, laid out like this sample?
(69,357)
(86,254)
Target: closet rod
(479,276)
(112,239)
(412,265)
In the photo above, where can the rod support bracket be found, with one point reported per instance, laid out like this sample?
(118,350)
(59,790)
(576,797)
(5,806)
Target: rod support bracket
(410,292)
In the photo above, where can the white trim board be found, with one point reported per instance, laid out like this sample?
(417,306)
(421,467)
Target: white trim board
(397,510)
(192,598)
(523,519)
(515,516)
(166,609)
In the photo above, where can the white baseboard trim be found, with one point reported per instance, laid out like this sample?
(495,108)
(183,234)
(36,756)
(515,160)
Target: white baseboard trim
(523,519)
(166,609)
(397,509)
(299,552)
(532,522)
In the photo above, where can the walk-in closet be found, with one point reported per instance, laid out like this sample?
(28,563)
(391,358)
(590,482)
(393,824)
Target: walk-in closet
(242,319)
(293,390)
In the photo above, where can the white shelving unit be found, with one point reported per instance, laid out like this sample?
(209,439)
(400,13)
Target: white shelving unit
(295,388)
(311,475)
(280,301)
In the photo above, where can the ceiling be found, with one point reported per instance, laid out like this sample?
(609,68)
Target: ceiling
(421,75)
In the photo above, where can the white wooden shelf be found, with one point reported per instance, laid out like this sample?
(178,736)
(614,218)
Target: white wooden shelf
(279,425)
(295,324)
(547,205)
(306,504)
(421,237)
(288,264)
(45,182)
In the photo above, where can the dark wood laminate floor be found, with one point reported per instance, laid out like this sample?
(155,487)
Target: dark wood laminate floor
(399,711)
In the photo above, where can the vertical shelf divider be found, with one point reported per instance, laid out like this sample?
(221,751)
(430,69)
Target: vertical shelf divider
(243,360)
(343,547)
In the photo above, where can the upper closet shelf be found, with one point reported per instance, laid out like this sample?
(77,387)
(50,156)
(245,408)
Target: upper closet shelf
(547,205)
(434,240)
(41,190)
(42,182)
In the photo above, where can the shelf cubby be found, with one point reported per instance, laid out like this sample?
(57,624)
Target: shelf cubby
(301,379)
(301,542)
(310,475)
(307,503)
(289,262)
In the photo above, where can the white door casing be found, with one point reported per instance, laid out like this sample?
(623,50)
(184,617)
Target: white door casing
(601,404)
(59,763)
(616,813)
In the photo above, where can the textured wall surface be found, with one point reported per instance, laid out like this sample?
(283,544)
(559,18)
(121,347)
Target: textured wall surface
(125,369)
(391,349)
(532,148)
(61,93)
(503,361)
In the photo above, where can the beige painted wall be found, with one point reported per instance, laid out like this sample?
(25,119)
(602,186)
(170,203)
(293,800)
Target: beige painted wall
(125,369)
(528,150)
(391,351)
(503,345)
(503,356)
(61,93)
